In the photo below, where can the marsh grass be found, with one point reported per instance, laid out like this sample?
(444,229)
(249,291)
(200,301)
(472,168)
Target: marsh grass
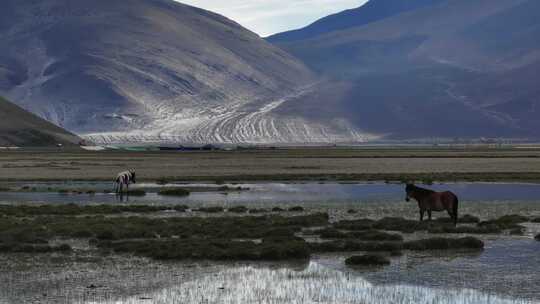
(258,210)
(213,209)
(354,245)
(174,192)
(133,227)
(367,235)
(395,246)
(367,260)
(136,192)
(238,209)
(74,209)
(33,248)
(438,226)
(270,249)
(444,244)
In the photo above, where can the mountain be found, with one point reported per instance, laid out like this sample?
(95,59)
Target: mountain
(370,12)
(452,68)
(21,128)
(151,70)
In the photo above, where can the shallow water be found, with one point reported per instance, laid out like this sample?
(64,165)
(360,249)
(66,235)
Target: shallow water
(505,272)
(275,192)
(486,200)
(316,284)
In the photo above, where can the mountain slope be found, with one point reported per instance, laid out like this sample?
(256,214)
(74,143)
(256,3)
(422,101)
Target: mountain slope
(456,68)
(372,11)
(150,70)
(20,128)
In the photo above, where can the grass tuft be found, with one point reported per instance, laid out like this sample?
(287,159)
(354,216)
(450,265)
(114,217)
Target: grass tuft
(238,209)
(444,244)
(367,260)
(174,192)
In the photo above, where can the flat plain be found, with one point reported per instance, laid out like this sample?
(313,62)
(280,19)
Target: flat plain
(294,164)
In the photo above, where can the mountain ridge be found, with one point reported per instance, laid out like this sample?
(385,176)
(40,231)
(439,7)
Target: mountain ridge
(369,12)
(23,129)
(148,69)
(403,75)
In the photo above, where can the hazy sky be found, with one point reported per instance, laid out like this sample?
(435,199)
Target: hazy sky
(267,17)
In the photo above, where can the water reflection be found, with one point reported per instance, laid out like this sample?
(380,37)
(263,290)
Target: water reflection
(506,272)
(275,193)
(317,284)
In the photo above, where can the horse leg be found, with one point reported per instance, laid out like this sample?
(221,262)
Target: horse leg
(421,215)
(429,214)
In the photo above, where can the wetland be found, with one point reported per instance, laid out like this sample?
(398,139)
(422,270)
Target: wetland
(327,238)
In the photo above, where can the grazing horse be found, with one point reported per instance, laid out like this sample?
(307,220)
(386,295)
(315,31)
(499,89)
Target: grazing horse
(124,179)
(429,200)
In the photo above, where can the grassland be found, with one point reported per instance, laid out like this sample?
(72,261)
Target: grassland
(302,164)
(277,235)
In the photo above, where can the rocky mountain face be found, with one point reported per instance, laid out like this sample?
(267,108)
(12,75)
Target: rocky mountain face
(158,70)
(20,128)
(452,68)
(151,70)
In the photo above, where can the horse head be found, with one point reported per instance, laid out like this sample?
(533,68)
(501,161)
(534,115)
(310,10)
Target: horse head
(133,176)
(409,189)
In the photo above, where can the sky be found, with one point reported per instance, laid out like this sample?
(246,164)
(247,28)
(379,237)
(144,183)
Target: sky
(266,17)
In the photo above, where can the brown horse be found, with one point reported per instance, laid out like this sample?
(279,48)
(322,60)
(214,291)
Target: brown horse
(429,200)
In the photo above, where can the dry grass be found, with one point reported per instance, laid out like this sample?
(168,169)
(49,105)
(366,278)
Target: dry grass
(308,164)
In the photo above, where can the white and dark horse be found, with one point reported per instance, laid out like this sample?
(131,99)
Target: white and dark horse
(124,179)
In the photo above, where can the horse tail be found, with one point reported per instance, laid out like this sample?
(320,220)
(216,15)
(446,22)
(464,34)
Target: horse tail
(455,209)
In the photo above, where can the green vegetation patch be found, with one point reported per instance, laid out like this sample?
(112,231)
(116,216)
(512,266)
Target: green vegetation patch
(367,260)
(73,209)
(174,192)
(444,244)
(464,219)
(489,229)
(354,245)
(43,228)
(366,235)
(374,235)
(215,209)
(136,192)
(361,224)
(214,249)
(443,225)
(238,209)
(507,222)
(33,248)
(396,246)
(258,210)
